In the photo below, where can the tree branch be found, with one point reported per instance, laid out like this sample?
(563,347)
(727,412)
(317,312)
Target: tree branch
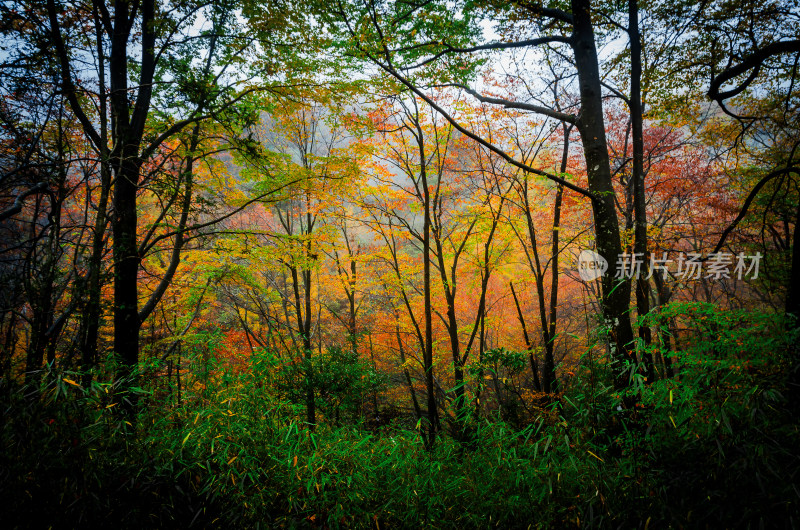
(753,62)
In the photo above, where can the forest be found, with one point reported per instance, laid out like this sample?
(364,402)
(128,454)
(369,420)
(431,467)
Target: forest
(399,264)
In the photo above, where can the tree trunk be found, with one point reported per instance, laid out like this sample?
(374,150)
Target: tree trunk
(406,373)
(793,290)
(615,297)
(534,365)
(433,413)
(126,274)
(639,207)
(93,312)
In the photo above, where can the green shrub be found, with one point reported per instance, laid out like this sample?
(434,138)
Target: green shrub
(715,446)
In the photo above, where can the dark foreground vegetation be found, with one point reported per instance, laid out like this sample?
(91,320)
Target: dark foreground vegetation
(715,446)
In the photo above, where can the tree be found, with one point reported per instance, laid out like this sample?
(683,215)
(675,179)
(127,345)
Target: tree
(400,40)
(410,154)
(151,76)
(744,56)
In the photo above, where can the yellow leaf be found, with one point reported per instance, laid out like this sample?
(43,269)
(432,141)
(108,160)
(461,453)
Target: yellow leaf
(232,459)
(594,455)
(187,437)
(71,382)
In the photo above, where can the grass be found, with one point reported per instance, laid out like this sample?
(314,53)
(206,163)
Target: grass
(714,447)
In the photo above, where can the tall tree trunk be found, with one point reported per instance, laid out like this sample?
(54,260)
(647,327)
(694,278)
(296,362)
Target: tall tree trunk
(793,290)
(126,273)
(449,288)
(534,365)
(639,206)
(93,310)
(306,273)
(793,309)
(90,325)
(302,320)
(127,124)
(351,305)
(615,297)
(412,391)
(549,368)
(433,413)
(554,253)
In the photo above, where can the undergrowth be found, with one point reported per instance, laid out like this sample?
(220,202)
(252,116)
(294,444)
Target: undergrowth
(715,446)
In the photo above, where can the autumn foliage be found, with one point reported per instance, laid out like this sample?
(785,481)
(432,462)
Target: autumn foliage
(392,264)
